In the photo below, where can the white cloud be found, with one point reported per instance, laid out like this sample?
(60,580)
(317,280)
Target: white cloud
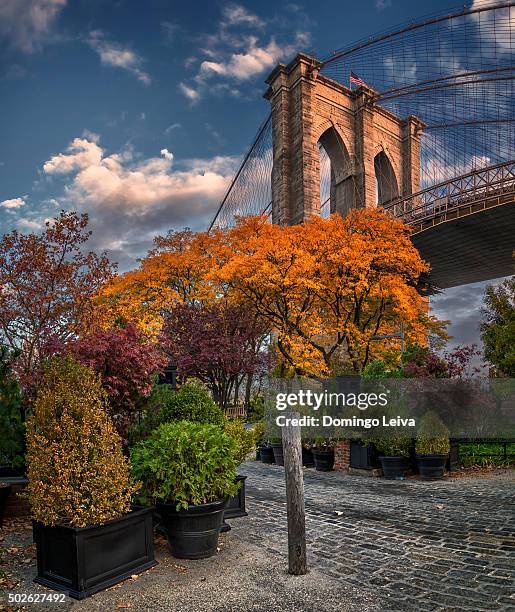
(189,92)
(115,55)
(496,26)
(170,31)
(235,14)
(233,56)
(81,153)
(171,128)
(131,199)
(167,154)
(30,225)
(27,24)
(13,203)
(243,66)
(383,4)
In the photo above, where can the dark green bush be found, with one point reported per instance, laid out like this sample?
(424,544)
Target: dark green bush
(192,402)
(393,447)
(12,426)
(185,463)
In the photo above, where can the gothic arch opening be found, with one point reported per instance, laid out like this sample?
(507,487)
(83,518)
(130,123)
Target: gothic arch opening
(337,188)
(386,183)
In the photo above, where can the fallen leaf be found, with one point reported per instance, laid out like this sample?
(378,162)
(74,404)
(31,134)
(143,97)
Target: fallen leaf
(134,576)
(123,605)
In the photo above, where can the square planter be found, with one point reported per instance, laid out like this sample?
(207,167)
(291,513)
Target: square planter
(236,505)
(362,457)
(83,561)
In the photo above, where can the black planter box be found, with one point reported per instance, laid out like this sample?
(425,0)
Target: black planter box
(362,457)
(277,448)
(83,561)
(5,490)
(267,454)
(324,459)
(235,507)
(307,457)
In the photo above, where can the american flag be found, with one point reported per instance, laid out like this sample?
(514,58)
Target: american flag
(355,80)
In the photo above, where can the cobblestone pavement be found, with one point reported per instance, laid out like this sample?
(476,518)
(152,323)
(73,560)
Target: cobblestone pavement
(446,545)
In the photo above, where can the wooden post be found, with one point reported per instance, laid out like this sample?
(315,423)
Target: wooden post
(292,445)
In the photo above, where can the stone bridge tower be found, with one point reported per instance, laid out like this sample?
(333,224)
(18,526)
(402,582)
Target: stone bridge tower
(374,155)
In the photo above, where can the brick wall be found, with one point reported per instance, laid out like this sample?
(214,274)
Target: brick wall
(342,456)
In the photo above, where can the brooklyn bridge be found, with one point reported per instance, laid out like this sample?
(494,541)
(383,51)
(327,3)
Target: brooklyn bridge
(418,120)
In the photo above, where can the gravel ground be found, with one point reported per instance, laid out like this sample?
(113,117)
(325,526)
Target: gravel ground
(241,577)
(372,545)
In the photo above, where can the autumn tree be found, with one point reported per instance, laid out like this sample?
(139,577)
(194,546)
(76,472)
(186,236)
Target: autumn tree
(327,286)
(219,343)
(498,326)
(47,285)
(174,271)
(126,363)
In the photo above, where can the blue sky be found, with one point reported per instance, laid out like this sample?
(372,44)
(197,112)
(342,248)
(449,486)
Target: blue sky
(138,113)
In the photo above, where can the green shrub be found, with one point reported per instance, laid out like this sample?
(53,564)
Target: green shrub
(245,440)
(256,410)
(185,463)
(78,475)
(393,447)
(12,427)
(432,436)
(192,402)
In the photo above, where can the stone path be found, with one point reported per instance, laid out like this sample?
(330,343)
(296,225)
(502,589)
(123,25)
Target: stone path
(446,545)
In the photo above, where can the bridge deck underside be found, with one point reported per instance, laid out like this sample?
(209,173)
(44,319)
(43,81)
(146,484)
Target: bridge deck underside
(471,248)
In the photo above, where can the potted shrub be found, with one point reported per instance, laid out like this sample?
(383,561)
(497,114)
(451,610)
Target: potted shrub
(394,456)
(245,442)
(432,447)
(188,470)
(323,455)
(80,491)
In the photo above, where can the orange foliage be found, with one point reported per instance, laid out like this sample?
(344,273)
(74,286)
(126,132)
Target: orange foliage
(174,271)
(325,287)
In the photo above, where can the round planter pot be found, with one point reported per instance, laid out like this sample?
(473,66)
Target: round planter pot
(394,467)
(324,459)
(277,448)
(307,457)
(267,454)
(431,467)
(193,533)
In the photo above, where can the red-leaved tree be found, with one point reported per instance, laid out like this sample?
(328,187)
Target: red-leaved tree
(220,344)
(126,363)
(47,286)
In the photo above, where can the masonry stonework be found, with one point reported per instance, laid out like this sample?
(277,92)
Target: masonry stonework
(375,156)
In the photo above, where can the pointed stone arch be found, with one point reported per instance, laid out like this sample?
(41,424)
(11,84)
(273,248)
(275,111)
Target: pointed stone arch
(387,186)
(342,184)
